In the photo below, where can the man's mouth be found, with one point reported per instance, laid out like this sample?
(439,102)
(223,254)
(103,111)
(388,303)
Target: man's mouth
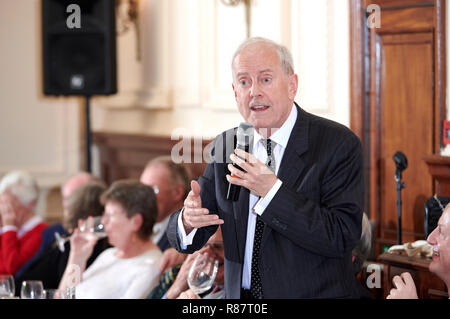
(435,252)
(259,108)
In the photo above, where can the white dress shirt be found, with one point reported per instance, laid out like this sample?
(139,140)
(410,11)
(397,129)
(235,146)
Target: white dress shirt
(257,205)
(159,229)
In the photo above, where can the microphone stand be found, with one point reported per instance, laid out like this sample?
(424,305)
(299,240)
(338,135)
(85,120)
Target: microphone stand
(399,187)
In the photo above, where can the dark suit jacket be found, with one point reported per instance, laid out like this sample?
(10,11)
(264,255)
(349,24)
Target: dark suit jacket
(312,223)
(48,238)
(163,243)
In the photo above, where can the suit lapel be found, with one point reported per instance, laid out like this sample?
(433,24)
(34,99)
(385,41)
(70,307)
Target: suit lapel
(240,207)
(292,163)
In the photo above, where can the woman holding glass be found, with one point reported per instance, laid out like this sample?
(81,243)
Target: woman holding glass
(130,269)
(50,265)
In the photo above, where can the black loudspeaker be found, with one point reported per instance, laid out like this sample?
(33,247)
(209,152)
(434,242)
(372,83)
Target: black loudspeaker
(79,47)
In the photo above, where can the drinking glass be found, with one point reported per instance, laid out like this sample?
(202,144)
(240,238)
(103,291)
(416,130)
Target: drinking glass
(54,294)
(32,289)
(202,273)
(90,226)
(95,227)
(7,287)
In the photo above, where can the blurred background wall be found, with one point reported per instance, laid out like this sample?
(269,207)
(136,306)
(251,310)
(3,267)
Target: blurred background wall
(182,80)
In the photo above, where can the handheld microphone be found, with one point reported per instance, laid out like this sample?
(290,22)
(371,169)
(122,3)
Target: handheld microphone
(401,163)
(244,138)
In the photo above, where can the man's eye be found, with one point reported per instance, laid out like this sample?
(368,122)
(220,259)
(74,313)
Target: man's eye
(243,82)
(266,80)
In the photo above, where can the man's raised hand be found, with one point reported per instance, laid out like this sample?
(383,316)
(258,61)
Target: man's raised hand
(194,216)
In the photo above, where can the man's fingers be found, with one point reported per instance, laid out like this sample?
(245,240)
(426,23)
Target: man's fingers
(188,211)
(202,220)
(249,158)
(398,281)
(407,278)
(235,171)
(193,199)
(195,187)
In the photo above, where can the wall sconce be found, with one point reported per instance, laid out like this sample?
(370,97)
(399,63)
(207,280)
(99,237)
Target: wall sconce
(248,9)
(127,13)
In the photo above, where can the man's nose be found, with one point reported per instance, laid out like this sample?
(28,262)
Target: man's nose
(255,90)
(432,237)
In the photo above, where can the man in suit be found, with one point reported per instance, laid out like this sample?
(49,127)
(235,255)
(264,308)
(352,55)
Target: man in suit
(293,228)
(170,181)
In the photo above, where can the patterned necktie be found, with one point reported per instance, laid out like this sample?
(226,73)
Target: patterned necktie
(255,283)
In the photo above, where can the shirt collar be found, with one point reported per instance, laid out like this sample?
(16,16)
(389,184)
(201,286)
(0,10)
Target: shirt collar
(159,229)
(281,136)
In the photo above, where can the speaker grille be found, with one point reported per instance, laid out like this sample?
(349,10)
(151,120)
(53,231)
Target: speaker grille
(79,61)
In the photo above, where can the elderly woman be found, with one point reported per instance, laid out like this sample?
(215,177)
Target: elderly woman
(50,263)
(20,226)
(130,269)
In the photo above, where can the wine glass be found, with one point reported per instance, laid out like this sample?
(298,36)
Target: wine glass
(202,273)
(94,227)
(7,287)
(32,289)
(54,294)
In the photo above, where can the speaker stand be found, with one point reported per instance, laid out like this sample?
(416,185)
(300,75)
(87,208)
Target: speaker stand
(87,110)
(399,186)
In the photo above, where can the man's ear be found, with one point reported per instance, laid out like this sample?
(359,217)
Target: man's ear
(178,192)
(293,86)
(234,90)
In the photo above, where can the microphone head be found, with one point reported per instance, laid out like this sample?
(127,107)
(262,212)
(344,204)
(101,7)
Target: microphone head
(244,134)
(401,162)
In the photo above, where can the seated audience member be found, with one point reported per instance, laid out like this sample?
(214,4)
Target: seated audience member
(129,269)
(171,183)
(49,266)
(48,235)
(180,288)
(361,252)
(21,228)
(440,264)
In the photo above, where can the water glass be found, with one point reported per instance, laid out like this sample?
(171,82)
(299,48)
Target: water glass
(32,289)
(54,294)
(7,287)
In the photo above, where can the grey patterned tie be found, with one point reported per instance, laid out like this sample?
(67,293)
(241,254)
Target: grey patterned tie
(255,283)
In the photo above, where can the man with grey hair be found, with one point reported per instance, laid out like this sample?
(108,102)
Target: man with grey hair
(20,227)
(170,181)
(291,232)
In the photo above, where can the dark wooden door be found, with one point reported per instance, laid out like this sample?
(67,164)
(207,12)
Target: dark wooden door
(399,110)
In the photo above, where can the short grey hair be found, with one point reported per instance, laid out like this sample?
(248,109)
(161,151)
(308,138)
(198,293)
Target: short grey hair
(284,54)
(180,173)
(22,185)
